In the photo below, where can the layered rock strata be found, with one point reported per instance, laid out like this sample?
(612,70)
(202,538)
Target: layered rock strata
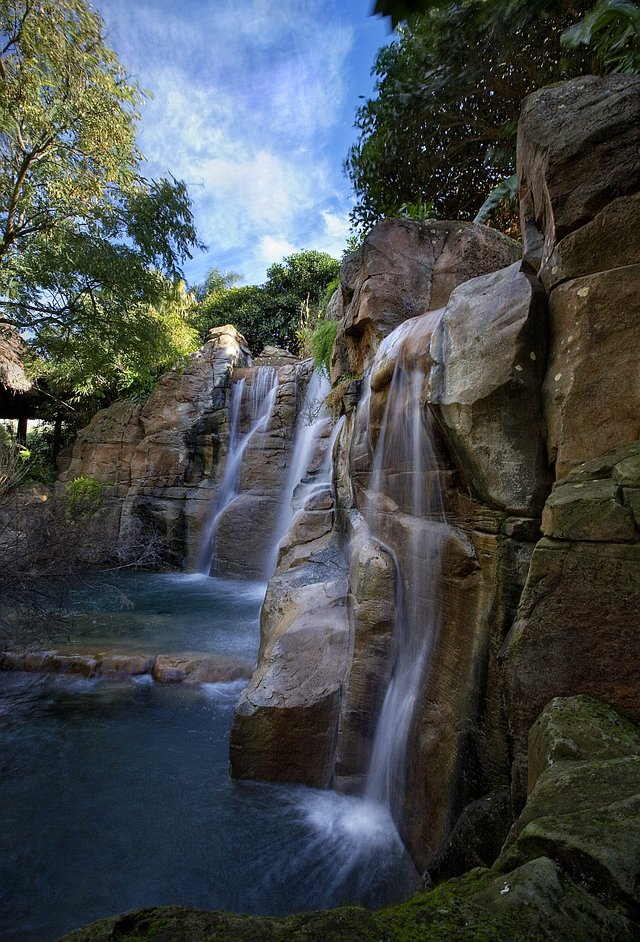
(157,460)
(531,376)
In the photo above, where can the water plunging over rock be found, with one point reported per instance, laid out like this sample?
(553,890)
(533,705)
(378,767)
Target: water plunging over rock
(405,497)
(260,399)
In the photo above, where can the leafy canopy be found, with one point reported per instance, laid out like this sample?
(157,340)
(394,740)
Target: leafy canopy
(272,313)
(90,250)
(441,128)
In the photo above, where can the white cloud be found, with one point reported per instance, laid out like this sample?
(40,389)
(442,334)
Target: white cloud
(273,249)
(244,100)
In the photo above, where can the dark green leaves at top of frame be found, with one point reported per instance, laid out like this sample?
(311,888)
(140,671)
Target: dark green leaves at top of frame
(448,89)
(612,31)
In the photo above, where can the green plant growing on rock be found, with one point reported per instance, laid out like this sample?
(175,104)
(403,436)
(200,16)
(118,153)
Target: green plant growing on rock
(83,497)
(321,342)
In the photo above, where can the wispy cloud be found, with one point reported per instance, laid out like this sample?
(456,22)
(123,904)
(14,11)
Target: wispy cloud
(245,100)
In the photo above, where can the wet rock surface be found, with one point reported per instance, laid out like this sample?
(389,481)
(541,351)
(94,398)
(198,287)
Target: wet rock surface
(187,668)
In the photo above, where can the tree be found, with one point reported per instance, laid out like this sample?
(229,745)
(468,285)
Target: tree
(272,313)
(90,250)
(441,128)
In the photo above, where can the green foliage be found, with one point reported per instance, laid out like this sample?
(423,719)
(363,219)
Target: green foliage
(321,343)
(216,280)
(441,128)
(83,497)
(329,292)
(90,250)
(13,468)
(419,210)
(107,358)
(612,31)
(272,313)
(505,191)
(38,457)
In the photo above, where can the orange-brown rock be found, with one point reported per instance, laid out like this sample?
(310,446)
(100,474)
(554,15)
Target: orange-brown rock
(405,268)
(591,391)
(196,668)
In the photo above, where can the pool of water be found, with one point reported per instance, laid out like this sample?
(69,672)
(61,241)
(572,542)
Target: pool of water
(116,795)
(165,613)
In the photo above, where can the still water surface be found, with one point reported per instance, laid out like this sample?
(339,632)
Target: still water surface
(115,796)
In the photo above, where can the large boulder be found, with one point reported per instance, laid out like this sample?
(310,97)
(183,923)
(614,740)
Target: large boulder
(489,354)
(405,268)
(584,807)
(591,392)
(579,177)
(577,152)
(286,721)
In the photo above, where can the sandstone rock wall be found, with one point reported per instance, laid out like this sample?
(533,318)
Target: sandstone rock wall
(532,377)
(159,457)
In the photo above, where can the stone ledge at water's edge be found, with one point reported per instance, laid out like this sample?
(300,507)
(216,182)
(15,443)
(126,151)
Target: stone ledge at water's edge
(570,869)
(184,668)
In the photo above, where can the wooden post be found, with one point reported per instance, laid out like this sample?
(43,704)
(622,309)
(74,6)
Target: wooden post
(21,436)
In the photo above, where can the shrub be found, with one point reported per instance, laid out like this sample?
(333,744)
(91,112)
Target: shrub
(321,342)
(83,496)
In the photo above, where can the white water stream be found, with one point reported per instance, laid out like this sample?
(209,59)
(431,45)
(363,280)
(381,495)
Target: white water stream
(405,511)
(260,397)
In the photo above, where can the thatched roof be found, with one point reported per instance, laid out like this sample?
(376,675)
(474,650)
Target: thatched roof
(12,351)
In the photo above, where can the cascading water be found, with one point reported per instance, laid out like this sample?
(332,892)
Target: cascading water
(405,511)
(310,424)
(260,398)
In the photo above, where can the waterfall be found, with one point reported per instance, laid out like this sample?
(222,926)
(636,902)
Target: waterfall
(311,422)
(405,511)
(258,398)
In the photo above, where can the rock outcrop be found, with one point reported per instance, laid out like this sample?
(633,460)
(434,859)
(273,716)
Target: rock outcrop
(530,373)
(576,628)
(158,459)
(404,269)
(579,189)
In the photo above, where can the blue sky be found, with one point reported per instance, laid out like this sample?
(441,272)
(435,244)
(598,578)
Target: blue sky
(254,103)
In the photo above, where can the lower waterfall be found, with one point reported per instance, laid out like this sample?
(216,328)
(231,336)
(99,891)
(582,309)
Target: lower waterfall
(405,511)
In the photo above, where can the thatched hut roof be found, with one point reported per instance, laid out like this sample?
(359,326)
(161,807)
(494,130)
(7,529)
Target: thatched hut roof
(12,351)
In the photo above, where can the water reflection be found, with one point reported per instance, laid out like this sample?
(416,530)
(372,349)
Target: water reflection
(116,796)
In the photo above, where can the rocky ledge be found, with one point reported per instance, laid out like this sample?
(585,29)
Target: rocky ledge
(184,668)
(570,867)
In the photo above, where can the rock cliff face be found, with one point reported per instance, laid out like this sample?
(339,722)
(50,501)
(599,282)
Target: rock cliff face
(158,459)
(527,377)
(162,461)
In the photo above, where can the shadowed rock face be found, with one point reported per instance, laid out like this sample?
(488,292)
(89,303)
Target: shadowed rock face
(576,628)
(158,459)
(579,188)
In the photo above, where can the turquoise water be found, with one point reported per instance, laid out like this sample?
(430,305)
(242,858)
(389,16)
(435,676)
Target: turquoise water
(116,795)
